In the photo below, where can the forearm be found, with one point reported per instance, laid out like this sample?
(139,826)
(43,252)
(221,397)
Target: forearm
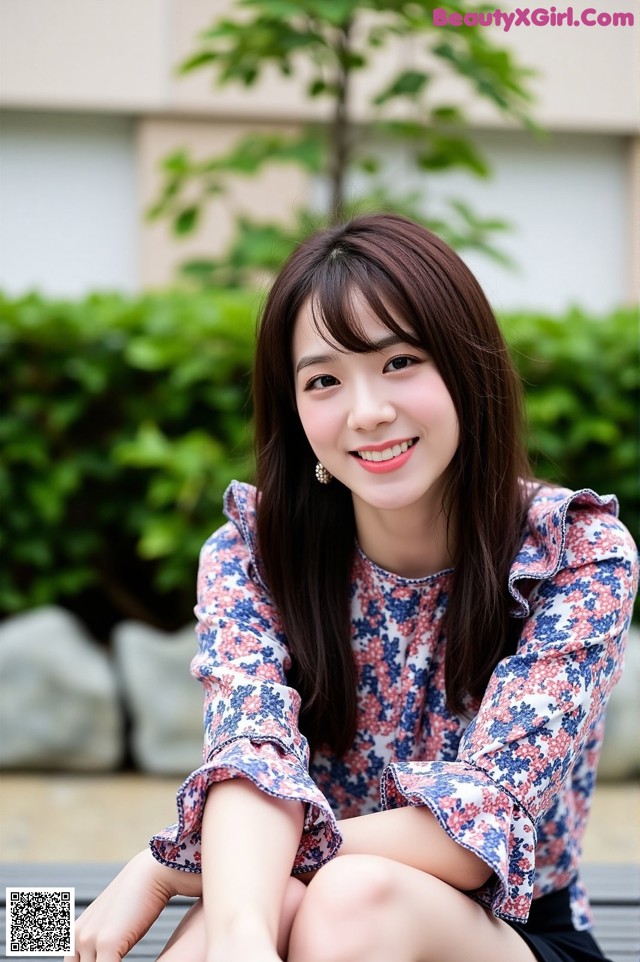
(249,842)
(413,836)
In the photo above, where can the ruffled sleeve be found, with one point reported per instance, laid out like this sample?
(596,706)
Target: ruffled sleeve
(573,583)
(250,713)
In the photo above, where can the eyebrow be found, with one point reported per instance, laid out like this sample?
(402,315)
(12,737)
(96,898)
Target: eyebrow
(310,359)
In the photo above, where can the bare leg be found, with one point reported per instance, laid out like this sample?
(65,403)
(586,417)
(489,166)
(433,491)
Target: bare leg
(189,941)
(364,907)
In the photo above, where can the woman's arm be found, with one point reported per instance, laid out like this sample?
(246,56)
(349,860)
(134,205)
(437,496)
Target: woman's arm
(541,710)
(249,842)
(250,711)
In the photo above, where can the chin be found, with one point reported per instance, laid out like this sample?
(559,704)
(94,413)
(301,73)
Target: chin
(392,500)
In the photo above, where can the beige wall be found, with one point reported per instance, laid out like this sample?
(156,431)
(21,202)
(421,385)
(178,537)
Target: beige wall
(120,55)
(85,54)
(273,194)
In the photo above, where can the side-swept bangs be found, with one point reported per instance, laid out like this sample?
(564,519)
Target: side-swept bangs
(341,284)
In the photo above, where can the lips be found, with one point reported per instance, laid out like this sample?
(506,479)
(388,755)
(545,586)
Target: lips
(382,458)
(385,451)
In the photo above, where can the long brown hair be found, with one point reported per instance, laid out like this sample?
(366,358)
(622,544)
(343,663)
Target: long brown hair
(306,533)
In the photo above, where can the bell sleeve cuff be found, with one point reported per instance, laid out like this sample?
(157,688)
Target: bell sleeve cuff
(481,817)
(272,771)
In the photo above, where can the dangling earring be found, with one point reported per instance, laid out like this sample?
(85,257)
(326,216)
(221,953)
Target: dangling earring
(322,474)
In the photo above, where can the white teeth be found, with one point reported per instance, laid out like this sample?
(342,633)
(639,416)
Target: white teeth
(387,454)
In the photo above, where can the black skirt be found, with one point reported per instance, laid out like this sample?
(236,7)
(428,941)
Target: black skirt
(550,934)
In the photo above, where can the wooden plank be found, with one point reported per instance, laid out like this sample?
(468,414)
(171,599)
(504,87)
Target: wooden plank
(612,884)
(87,878)
(615,896)
(607,884)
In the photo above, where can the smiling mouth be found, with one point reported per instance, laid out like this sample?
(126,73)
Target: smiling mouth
(387,453)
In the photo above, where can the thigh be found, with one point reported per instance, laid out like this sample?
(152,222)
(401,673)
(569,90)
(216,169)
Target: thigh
(362,908)
(188,941)
(459,928)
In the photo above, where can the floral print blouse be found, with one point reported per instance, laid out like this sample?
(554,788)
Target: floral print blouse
(513,784)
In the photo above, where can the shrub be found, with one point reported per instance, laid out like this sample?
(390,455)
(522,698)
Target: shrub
(122,423)
(581,378)
(123,420)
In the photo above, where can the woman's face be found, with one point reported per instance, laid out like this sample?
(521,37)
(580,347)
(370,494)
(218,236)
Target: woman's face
(383,423)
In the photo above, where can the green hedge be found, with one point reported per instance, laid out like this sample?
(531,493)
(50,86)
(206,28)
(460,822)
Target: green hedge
(581,377)
(121,423)
(123,420)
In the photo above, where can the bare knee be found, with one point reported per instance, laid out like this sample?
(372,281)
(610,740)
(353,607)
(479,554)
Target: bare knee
(343,908)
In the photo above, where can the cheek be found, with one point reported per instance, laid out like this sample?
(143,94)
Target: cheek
(316,421)
(435,409)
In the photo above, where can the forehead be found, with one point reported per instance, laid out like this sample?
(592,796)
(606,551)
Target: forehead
(360,331)
(311,327)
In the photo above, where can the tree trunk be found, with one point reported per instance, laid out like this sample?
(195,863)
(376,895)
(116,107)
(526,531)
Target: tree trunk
(340,140)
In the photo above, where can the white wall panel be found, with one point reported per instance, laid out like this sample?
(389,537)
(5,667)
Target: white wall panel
(68,217)
(567,198)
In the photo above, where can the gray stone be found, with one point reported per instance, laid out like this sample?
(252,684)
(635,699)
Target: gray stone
(164,701)
(621,749)
(59,704)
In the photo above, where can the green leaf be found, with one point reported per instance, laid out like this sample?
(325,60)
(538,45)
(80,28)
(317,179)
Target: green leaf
(446,152)
(491,70)
(200,59)
(317,87)
(177,162)
(335,12)
(187,220)
(448,115)
(370,165)
(199,269)
(410,83)
(250,154)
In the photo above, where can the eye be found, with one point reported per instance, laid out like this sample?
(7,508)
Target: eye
(321,382)
(400,363)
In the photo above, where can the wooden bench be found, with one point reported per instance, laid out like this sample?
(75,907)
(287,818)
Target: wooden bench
(614,890)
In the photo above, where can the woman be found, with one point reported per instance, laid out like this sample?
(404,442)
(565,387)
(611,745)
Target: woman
(406,646)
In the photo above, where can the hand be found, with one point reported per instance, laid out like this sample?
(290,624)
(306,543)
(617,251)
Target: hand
(124,912)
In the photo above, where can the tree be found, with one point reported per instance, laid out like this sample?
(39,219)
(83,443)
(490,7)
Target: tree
(322,44)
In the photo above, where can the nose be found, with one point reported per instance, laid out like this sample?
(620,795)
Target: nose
(369,408)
